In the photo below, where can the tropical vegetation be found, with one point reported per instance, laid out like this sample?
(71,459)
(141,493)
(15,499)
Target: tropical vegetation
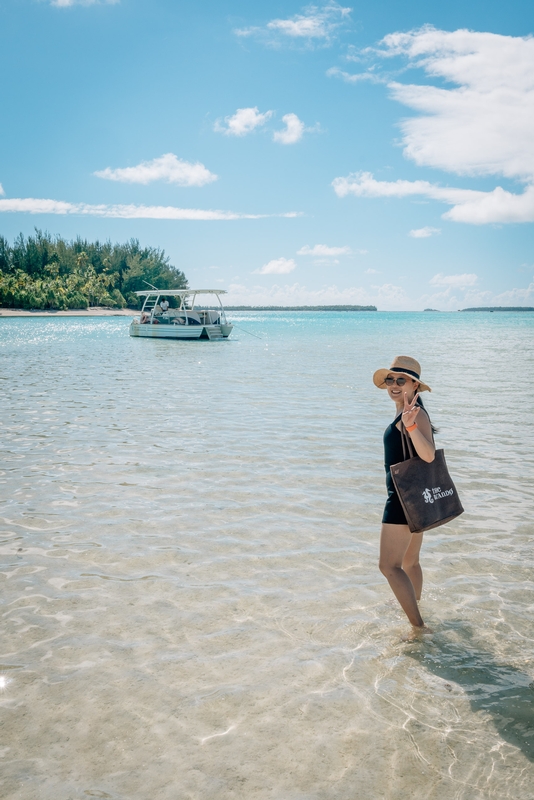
(44,271)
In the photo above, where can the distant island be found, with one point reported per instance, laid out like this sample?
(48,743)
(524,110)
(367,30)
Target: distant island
(499,308)
(300,308)
(433,309)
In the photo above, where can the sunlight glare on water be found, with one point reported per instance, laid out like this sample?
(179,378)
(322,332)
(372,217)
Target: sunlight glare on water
(190,595)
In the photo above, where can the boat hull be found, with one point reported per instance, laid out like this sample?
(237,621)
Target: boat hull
(212,332)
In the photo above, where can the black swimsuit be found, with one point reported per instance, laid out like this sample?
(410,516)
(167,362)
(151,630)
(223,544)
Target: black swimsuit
(393,512)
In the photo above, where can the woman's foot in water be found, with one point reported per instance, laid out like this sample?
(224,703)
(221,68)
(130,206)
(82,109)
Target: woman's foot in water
(417,632)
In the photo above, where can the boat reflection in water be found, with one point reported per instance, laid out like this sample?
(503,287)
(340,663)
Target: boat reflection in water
(187,321)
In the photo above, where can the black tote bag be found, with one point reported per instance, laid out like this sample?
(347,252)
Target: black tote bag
(426,491)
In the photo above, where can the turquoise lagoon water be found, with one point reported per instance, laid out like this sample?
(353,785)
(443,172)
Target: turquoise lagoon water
(191,606)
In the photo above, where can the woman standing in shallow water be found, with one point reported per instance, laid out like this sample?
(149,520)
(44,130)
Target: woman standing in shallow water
(399,548)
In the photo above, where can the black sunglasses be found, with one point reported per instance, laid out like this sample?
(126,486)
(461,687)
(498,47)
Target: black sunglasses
(398,381)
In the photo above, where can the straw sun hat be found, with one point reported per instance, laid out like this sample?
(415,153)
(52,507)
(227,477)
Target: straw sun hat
(404,365)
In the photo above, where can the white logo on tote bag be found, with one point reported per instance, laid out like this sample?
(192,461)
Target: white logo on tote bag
(436,494)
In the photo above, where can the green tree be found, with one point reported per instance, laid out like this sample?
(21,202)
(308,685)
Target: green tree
(42,271)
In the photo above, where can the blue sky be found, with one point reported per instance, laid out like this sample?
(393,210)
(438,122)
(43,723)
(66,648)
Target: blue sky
(293,154)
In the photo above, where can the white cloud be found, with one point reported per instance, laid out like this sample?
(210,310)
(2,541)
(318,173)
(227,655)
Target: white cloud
(372,272)
(278,266)
(482,125)
(363,184)
(323,250)
(452,298)
(424,233)
(485,124)
(30,205)
(325,262)
(1,190)
(391,295)
(469,205)
(348,77)
(295,295)
(456,281)
(67,3)
(167,168)
(387,297)
(316,23)
(293,131)
(516,297)
(244,121)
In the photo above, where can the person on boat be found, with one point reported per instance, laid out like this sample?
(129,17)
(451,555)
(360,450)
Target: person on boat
(164,305)
(145,319)
(399,548)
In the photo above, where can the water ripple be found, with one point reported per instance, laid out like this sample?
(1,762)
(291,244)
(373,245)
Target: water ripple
(188,541)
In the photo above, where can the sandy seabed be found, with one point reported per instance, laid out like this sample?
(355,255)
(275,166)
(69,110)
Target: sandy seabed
(190,601)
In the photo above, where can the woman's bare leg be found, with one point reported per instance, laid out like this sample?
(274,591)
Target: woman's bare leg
(394,543)
(411,565)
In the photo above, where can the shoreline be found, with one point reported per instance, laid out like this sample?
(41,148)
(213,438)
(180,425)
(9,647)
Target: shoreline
(102,311)
(94,311)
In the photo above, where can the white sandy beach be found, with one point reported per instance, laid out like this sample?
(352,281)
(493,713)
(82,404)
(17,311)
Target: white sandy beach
(92,311)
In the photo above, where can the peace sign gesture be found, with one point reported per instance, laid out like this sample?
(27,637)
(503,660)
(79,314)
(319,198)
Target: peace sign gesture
(411,410)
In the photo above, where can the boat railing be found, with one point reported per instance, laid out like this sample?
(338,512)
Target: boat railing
(183,316)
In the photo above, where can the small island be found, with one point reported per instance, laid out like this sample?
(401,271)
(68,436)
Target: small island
(301,308)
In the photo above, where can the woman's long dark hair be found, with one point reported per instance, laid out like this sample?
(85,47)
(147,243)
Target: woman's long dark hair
(420,403)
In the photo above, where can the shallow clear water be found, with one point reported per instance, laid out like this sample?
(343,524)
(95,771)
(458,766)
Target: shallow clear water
(191,606)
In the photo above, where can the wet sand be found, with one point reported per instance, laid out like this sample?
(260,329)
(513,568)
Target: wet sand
(92,311)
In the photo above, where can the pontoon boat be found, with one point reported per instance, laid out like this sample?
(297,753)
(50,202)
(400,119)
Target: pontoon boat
(187,321)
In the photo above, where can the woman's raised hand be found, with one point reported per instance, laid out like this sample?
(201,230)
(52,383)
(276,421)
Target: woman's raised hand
(411,410)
